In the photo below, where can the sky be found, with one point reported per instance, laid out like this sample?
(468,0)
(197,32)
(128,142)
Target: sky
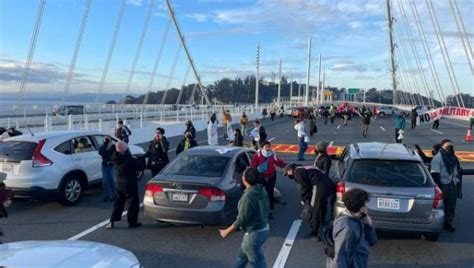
(222,36)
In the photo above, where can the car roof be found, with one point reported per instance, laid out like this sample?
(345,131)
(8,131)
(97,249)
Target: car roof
(228,151)
(47,135)
(383,151)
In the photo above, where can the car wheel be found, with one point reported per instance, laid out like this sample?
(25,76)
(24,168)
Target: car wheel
(71,190)
(382,114)
(431,236)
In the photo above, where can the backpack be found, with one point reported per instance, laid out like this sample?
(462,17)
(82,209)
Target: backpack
(263,167)
(326,235)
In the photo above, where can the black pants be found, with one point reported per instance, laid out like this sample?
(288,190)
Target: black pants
(269,184)
(396,136)
(332,120)
(435,124)
(450,198)
(413,123)
(156,168)
(321,213)
(127,194)
(325,120)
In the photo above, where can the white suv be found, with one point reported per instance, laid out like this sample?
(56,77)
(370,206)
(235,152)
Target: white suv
(57,164)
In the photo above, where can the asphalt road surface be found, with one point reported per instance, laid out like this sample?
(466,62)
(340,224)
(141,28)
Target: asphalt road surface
(165,245)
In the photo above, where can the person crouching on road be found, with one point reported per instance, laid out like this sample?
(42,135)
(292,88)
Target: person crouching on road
(157,153)
(127,187)
(107,152)
(265,161)
(186,143)
(353,232)
(446,172)
(252,218)
(318,204)
(322,161)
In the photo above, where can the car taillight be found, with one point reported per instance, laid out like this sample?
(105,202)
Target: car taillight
(38,159)
(438,199)
(152,189)
(213,194)
(340,189)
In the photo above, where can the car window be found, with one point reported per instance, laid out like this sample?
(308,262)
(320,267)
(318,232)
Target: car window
(198,165)
(82,145)
(64,148)
(16,151)
(99,140)
(389,173)
(241,163)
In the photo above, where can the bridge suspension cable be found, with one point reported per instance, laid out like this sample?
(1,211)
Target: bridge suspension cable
(31,51)
(462,33)
(151,7)
(157,61)
(77,47)
(110,53)
(444,52)
(170,77)
(185,79)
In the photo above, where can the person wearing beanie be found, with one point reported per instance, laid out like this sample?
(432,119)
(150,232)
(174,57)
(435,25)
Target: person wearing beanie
(186,143)
(157,153)
(127,187)
(322,161)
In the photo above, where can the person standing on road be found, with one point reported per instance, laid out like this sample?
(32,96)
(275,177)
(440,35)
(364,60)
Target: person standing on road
(303,138)
(122,132)
(190,128)
(264,113)
(318,203)
(313,129)
(226,121)
(325,115)
(332,113)
(273,113)
(212,136)
(353,233)
(107,152)
(322,161)
(258,134)
(266,161)
(244,120)
(157,153)
(252,219)
(282,111)
(345,115)
(435,124)
(446,172)
(366,116)
(127,187)
(186,143)
(413,116)
(6,197)
(238,138)
(399,126)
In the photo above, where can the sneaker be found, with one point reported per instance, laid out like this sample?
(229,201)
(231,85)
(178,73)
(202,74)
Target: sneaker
(134,225)
(110,225)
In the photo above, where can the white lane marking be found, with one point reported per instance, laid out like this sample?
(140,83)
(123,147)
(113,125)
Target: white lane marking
(338,126)
(287,245)
(331,143)
(272,139)
(383,129)
(439,132)
(456,124)
(95,227)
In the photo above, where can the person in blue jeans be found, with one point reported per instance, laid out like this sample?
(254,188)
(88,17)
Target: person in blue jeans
(107,151)
(252,219)
(302,134)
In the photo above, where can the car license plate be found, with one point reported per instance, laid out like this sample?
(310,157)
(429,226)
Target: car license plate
(7,167)
(179,197)
(388,203)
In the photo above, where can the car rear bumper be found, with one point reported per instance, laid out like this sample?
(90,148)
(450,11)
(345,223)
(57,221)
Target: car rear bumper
(35,193)
(175,215)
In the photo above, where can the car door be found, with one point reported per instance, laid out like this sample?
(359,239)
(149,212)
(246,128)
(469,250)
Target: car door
(88,158)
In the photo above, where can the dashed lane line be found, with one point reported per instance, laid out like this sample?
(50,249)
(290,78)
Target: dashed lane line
(439,132)
(287,245)
(338,126)
(331,143)
(272,139)
(383,129)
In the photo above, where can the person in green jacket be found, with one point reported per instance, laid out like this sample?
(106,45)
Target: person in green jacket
(252,219)
(400,123)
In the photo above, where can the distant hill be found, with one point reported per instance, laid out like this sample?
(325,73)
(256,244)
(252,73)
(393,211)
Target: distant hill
(56,96)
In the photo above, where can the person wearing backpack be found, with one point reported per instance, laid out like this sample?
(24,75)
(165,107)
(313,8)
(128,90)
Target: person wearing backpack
(317,204)
(122,132)
(352,233)
(266,161)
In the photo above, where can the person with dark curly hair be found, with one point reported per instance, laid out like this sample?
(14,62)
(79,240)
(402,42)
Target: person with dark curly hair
(353,232)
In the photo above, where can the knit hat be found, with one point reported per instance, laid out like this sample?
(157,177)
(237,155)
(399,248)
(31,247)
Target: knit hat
(322,146)
(121,147)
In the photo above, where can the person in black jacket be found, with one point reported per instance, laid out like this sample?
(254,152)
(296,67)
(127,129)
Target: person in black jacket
(322,161)
(427,159)
(127,187)
(319,203)
(186,143)
(413,116)
(238,138)
(122,132)
(157,153)
(190,128)
(107,151)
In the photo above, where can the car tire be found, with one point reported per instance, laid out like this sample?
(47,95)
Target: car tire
(382,114)
(71,190)
(431,236)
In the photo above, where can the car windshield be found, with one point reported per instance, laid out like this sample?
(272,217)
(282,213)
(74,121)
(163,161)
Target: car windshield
(16,151)
(389,173)
(198,165)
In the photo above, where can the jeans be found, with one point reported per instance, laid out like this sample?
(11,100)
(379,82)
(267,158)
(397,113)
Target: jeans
(243,129)
(108,181)
(302,148)
(251,250)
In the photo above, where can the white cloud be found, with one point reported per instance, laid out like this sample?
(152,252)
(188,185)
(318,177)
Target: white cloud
(355,24)
(135,2)
(198,17)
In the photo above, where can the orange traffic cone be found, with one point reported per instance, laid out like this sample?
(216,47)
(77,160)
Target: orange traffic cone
(468,135)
